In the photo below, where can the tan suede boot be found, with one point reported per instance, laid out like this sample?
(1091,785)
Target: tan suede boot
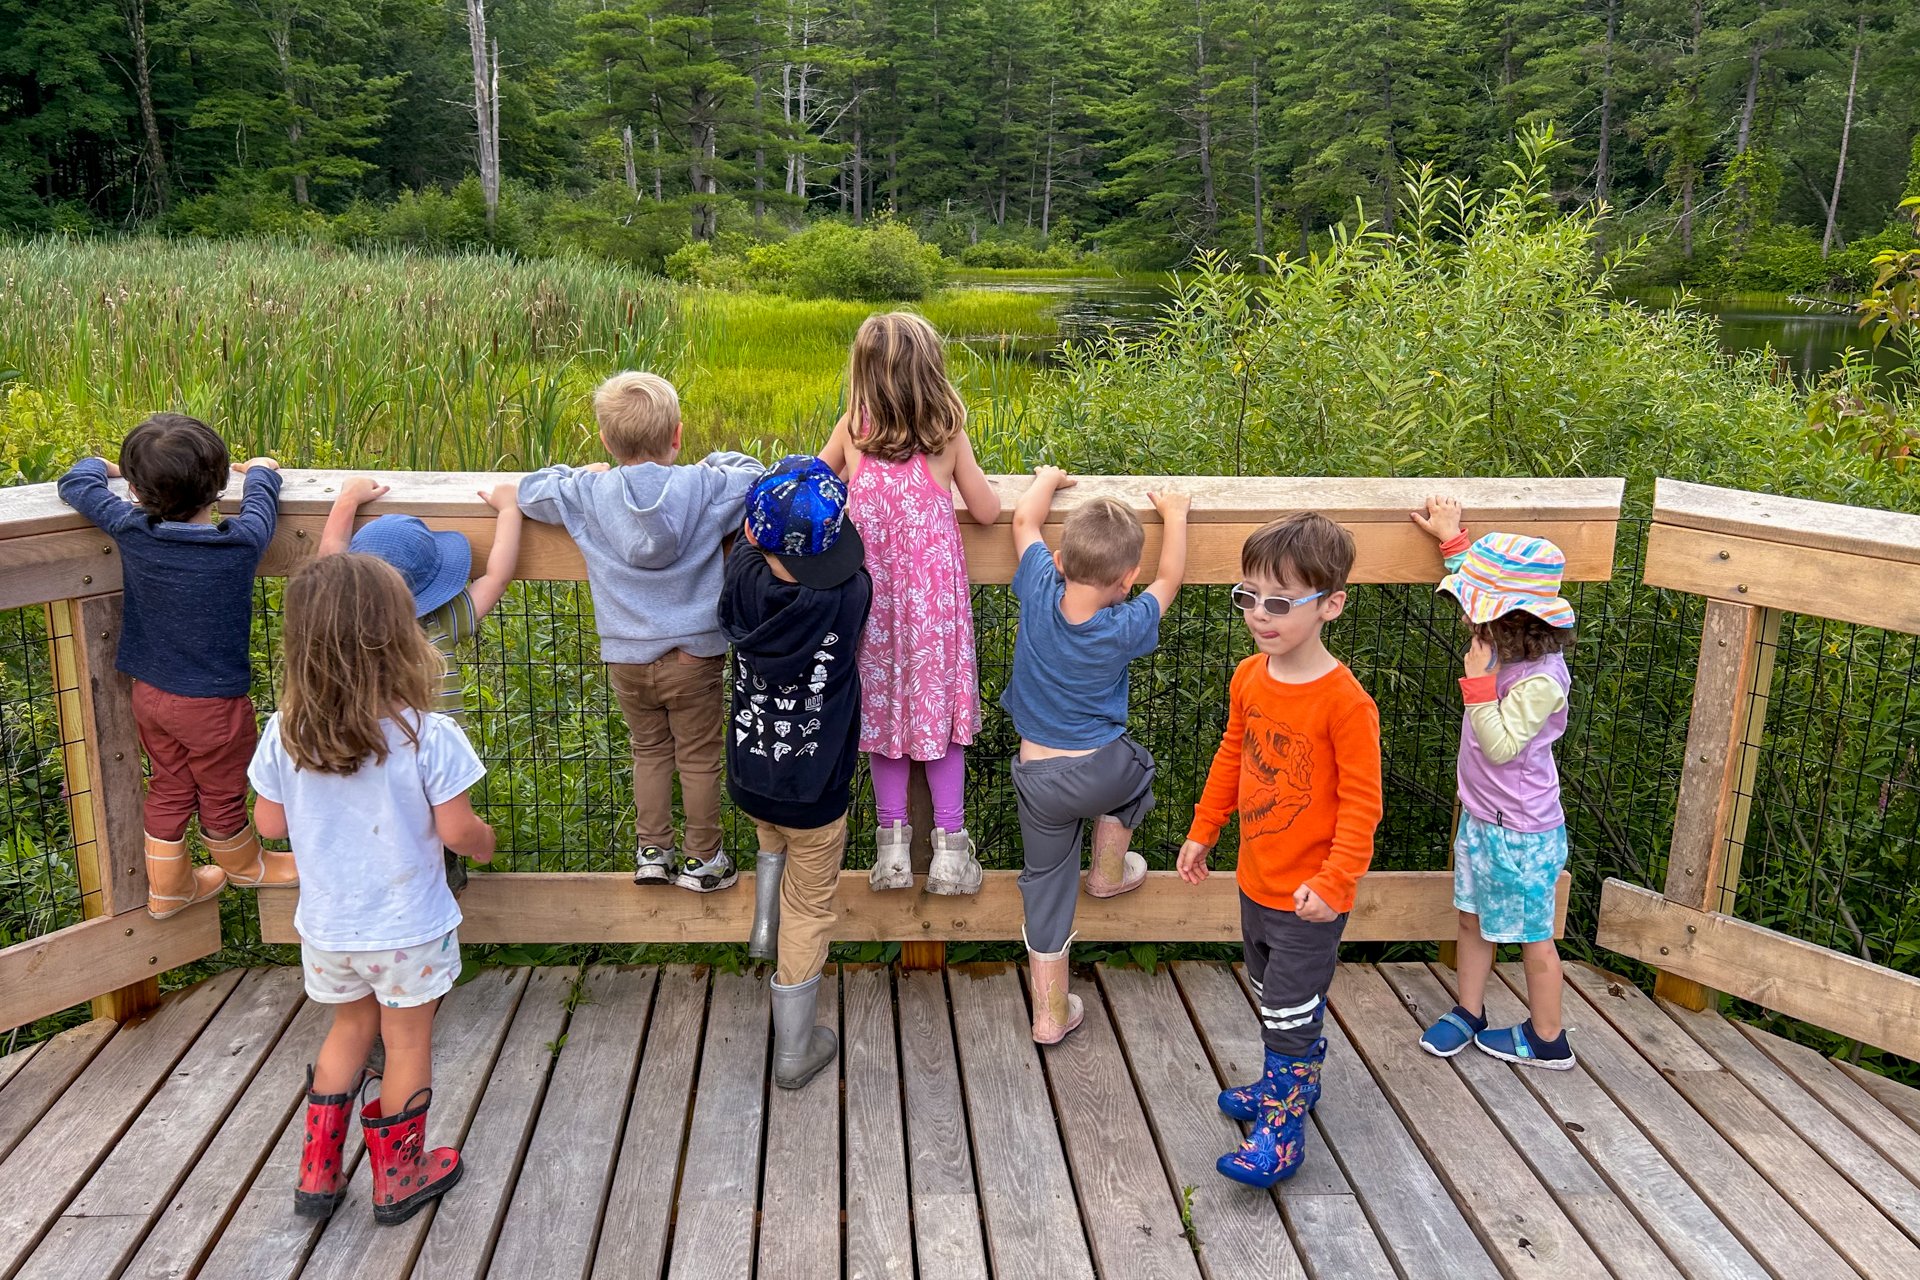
(174,883)
(1056,1011)
(248,866)
(1115,869)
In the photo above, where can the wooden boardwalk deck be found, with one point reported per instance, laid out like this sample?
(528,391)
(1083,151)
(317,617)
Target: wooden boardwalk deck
(618,1122)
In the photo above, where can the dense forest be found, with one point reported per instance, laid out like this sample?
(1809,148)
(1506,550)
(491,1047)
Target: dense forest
(1145,129)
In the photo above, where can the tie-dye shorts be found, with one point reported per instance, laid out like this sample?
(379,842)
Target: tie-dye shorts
(1507,878)
(397,979)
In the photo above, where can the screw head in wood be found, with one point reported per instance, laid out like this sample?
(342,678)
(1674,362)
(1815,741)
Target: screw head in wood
(1742,588)
(129,933)
(86,579)
(1693,928)
(107,550)
(1663,951)
(1726,555)
(153,959)
(299,533)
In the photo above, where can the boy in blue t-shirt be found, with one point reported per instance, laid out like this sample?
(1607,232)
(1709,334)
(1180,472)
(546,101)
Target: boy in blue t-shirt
(1068,700)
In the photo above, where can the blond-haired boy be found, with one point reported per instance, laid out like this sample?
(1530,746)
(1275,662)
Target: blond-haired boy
(650,531)
(1067,696)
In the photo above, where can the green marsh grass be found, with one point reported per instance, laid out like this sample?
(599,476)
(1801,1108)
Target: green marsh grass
(408,361)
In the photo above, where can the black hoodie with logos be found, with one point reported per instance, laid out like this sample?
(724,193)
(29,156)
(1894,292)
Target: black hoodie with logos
(793,738)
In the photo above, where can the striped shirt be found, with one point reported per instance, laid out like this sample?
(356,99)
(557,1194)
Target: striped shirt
(448,627)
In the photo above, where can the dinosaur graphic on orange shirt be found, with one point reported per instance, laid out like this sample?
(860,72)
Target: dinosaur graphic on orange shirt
(1280,760)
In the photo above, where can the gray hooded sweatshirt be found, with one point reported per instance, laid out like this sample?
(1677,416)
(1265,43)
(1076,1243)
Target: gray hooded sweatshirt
(651,537)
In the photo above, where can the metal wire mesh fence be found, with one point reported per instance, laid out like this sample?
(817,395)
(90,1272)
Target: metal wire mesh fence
(39,881)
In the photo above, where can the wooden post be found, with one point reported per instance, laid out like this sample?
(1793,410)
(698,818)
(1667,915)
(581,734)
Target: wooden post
(1735,673)
(101,753)
(921,955)
(1450,951)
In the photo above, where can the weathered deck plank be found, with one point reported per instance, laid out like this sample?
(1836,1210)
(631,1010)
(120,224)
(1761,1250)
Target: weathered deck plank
(1744,1200)
(554,1217)
(1834,1207)
(79,1131)
(1130,1210)
(195,1214)
(1518,1217)
(800,1188)
(1693,1235)
(466,1223)
(467,1031)
(11,1064)
(41,1080)
(946,1208)
(1902,1100)
(107,1219)
(1888,1188)
(1608,1225)
(879,1212)
(1415,1218)
(1236,1229)
(634,1229)
(1026,1195)
(1845,1097)
(720,1179)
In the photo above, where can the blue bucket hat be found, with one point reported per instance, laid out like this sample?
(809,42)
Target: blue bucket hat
(435,565)
(797,513)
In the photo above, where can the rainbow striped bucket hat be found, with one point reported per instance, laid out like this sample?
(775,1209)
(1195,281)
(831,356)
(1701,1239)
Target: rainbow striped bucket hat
(1506,571)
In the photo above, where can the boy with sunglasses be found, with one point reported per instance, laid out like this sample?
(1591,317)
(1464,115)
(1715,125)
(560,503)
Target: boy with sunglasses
(1300,766)
(1067,697)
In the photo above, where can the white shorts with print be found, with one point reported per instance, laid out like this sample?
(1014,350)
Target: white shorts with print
(397,979)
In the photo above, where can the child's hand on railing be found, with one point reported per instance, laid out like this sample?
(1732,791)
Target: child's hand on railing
(502,496)
(1193,862)
(361,490)
(1058,477)
(596,466)
(251,463)
(1441,518)
(1171,506)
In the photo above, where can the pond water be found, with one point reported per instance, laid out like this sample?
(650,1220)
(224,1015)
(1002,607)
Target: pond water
(1807,339)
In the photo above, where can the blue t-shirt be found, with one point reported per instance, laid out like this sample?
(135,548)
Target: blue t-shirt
(1069,684)
(188,608)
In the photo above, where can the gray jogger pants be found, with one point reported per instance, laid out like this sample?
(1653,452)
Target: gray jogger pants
(1057,798)
(1290,962)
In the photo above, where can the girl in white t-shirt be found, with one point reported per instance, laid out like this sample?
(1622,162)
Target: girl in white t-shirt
(370,785)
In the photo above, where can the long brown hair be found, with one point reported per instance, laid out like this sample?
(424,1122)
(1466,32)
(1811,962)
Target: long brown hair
(897,389)
(355,655)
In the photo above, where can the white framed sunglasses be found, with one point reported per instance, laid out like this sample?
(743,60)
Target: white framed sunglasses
(1245,598)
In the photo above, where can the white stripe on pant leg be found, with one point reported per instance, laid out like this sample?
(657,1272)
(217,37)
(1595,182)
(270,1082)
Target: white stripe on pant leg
(1290,1024)
(1308,1007)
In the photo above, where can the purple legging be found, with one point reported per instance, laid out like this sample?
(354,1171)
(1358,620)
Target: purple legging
(946,779)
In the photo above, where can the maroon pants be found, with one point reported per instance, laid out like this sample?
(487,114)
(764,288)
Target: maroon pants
(199,749)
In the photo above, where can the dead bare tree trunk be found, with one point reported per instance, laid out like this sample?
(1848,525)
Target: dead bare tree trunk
(486,105)
(1602,166)
(1209,202)
(135,14)
(1259,188)
(280,35)
(626,155)
(1846,131)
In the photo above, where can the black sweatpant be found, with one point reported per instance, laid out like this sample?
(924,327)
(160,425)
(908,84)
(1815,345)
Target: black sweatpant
(1290,962)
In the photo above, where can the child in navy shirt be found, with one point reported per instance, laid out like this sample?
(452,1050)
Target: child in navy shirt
(188,586)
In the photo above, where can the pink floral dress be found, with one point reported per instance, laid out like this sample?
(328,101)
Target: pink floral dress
(919,676)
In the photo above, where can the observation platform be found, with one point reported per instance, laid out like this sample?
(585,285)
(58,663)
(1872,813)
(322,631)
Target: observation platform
(620,1122)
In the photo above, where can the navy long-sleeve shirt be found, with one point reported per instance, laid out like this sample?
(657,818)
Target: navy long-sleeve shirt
(188,587)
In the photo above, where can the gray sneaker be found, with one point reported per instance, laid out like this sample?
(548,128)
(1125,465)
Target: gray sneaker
(713,874)
(654,865)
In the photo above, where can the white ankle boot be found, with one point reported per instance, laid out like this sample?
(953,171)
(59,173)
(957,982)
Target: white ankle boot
(893,858)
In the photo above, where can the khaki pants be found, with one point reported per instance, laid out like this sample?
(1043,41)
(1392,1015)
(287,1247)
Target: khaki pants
(675,722)
(814,857)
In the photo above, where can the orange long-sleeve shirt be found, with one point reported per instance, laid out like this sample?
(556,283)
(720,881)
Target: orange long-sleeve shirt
(1300,765)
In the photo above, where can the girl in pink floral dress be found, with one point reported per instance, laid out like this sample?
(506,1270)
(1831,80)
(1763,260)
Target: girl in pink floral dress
(902,449)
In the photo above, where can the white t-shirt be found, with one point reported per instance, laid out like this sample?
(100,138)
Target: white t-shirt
(371,873)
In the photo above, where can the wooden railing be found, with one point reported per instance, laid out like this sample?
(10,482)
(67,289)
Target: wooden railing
(49,555)
(1754,557)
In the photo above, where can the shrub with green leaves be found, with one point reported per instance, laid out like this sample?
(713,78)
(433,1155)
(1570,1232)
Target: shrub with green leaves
(883,261)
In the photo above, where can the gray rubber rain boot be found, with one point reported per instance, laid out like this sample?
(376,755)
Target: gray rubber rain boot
(763,943)
(801,1050)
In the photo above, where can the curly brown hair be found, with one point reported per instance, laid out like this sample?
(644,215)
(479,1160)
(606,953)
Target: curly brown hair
(355,656)
(1520,637)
